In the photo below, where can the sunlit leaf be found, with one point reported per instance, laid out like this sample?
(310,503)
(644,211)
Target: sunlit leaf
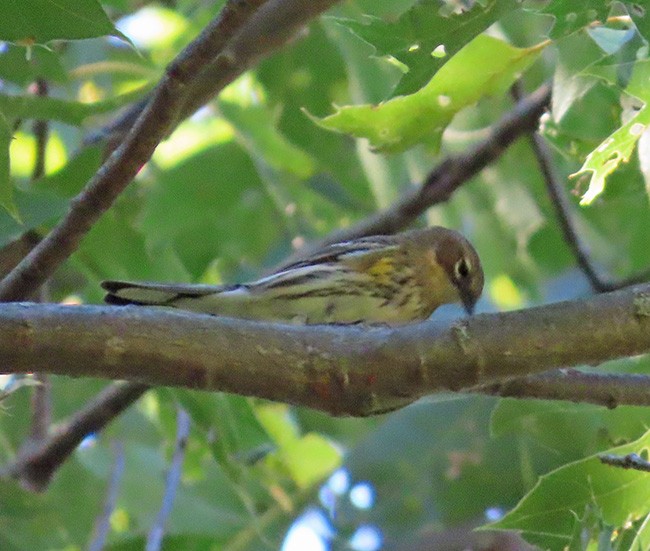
(619,146)
(310,459)
(485,66)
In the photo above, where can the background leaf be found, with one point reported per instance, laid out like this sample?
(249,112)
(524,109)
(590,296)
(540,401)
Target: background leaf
(63,19)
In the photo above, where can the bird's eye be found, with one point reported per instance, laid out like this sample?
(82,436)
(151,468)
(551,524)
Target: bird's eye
(461,269)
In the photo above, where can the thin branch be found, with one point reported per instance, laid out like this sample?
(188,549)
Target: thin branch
(605,389)
(563,209)
(163,111)
(155,536)
(359,370)
(631,461)
(41,131)
(102,524)
(36,464)
(447,176)
(41,408)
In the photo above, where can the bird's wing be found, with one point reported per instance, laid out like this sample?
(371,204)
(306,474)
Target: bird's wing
(365,247)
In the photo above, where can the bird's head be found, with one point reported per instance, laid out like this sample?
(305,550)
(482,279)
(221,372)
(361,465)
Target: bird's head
(459,261)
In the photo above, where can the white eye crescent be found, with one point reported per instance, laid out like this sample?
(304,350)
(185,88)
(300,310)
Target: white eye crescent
(462,269)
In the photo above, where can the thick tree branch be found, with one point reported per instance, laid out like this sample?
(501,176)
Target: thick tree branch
(447,176)
(605,389)
(337,369)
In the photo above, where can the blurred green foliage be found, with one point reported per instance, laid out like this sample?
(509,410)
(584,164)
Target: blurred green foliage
(250,176)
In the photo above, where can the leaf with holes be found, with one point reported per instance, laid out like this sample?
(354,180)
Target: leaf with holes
(484,67)
(619,146)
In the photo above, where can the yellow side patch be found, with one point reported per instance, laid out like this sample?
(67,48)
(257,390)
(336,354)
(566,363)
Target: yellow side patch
(382,270)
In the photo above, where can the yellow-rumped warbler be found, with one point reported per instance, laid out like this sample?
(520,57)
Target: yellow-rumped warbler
(390,279)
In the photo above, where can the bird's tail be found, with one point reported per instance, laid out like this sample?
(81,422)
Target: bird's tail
(153,294)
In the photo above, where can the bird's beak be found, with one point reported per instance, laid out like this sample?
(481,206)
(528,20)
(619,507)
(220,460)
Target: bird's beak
(468,299)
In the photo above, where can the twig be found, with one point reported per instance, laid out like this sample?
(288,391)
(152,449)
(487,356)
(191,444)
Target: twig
(102,524)
(35,465)
(562,211)
(155,536)
(631,461)
(358,370)
(41,408)
(447,176)
(155,122)
(605,389)
(41,131)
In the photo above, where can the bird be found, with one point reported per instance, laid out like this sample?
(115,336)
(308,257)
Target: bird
(380,279)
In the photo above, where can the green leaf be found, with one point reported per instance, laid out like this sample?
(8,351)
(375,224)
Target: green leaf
(423,30)
(641,539)
(35,208)
(199,204)
(619,146)
(233,418)
(71,112)
(39,21)
(547,515)
(309,458)
(573,15)
(551,426)
(485,66)
(255,126)
(22,65)
(69,181)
